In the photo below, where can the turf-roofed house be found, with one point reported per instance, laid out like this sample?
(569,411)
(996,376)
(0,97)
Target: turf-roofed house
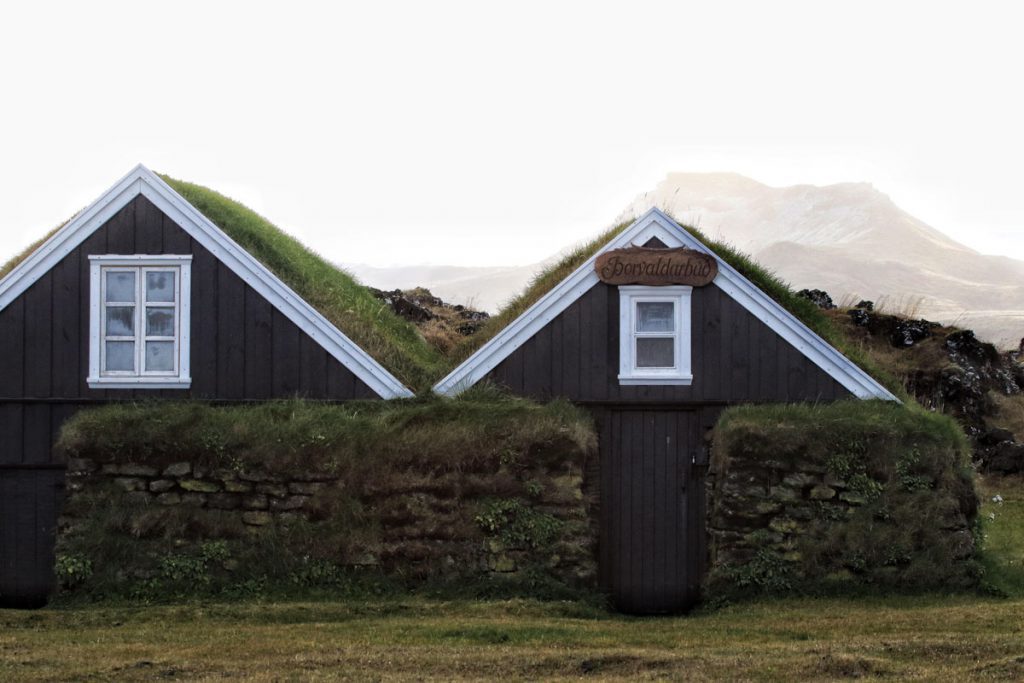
(657,334)
(144,295)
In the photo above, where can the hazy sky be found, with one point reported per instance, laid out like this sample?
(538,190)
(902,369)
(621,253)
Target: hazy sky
(479,133)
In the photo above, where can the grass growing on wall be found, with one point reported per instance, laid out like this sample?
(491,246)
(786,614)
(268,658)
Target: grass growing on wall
(370,323)
(351,439)
(911,472)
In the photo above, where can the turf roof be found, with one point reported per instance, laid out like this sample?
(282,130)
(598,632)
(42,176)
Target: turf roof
(393,342)
(771,284)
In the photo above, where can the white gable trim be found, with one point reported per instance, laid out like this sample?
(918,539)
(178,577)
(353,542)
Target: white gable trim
(654,223)
(143,181)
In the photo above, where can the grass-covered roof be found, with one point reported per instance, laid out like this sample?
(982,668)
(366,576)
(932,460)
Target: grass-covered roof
(771,284)
(393,342)
(367,321)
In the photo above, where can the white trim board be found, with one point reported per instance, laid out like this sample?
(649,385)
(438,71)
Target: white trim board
(143,181)
(654,223)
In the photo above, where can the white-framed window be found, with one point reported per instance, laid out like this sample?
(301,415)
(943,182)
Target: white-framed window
(654,335)
(139,322)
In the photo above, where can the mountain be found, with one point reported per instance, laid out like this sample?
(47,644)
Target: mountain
(854,242)
(849,239)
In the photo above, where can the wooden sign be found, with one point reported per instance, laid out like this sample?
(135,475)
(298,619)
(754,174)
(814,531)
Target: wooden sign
(646,266)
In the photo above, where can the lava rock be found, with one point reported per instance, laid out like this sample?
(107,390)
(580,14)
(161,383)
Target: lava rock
(994,436)
(819,298)
(866,305)
(906,333)
(404,306)
(1006,458)
(860,317)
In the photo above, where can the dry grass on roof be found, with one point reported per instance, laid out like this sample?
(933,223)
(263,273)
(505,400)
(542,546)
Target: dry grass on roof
(337,295)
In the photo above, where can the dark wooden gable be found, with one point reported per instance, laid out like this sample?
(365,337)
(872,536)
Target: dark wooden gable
(735,357)
(242,347)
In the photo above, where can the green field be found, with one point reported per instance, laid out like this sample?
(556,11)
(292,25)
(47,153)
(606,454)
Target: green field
(923,637)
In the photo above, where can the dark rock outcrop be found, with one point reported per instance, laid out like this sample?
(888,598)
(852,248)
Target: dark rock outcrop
(818,297)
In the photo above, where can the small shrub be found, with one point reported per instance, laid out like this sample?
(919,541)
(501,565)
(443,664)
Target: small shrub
(517,525)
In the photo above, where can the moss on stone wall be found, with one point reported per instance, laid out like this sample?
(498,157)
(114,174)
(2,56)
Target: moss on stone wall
(854,494)
(178,499)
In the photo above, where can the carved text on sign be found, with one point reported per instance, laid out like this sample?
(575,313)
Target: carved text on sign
(649,266)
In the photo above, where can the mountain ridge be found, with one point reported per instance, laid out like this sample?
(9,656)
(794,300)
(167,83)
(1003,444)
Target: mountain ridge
(850,239)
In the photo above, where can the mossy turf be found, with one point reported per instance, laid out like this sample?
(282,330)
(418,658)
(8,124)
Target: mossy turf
(351,439)
(771,284)
(370,323)
(913,519)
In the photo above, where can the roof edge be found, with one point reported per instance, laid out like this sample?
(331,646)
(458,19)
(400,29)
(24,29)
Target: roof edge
(655,223)
(140,180)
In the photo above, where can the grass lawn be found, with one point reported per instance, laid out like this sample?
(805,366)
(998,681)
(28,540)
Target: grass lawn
(924,637)
(930,638)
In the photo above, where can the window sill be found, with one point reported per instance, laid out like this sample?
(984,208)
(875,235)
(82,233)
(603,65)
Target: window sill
(635,381)
(139,382)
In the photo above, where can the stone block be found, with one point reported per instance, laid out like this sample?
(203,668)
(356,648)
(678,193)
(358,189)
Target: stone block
(178,469)
(170,498)
(131,469)
(197,499)
(256,501)
(130,483)
(223,501)
(254,475)
(161,485)
(834,481)
(784,525)
(784,494)
(822,492)
(306,488)
(503,564)
(199,485)
(232,486)
(797,480)
(852,498)
(225,474)
(768,507)
(804,514)
(276,490)
(254,518)
(81,465)
(289,503)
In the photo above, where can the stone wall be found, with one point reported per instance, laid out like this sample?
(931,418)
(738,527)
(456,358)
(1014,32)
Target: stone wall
(854,494)
(419,526)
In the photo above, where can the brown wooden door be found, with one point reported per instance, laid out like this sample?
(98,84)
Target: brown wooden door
(652,522)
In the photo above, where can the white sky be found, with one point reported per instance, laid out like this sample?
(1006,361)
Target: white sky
(477,133)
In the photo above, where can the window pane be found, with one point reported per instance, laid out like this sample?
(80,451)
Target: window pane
(121,355)
(655,316)
(159,356)
(159,322)
(160,286)
(655,352)
(120,286)
(120,321)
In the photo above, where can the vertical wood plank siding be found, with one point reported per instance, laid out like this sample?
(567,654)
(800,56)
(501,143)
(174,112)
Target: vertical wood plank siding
(242,348)
(736,358)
